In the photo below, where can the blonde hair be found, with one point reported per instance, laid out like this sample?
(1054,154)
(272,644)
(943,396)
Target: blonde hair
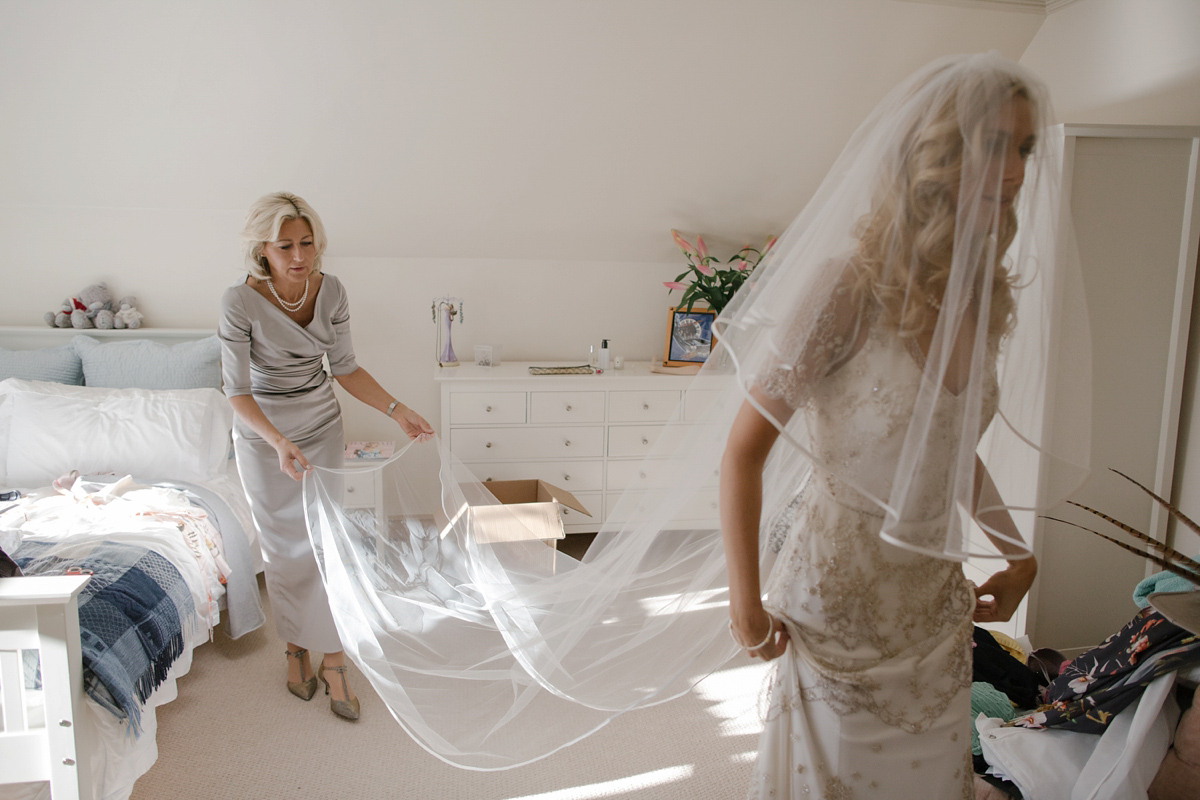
(263,221)
(906,242)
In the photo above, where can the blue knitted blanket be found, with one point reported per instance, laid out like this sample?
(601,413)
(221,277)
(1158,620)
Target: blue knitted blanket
(131,617)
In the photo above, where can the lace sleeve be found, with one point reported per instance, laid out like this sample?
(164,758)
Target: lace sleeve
(808,351)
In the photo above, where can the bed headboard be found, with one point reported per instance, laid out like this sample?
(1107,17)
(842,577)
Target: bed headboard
(34,337)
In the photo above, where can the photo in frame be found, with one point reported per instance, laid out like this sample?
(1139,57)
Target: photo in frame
(689,336)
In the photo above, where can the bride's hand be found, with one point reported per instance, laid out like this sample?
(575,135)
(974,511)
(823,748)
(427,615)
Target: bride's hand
(1006,589)
(774,638)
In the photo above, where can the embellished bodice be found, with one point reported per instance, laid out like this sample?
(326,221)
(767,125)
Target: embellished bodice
(858,418)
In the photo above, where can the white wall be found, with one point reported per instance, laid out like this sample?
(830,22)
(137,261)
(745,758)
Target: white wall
(1126,62)
(530,156)
(1133,62)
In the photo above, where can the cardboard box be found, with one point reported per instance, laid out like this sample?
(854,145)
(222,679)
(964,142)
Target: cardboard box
(528,509)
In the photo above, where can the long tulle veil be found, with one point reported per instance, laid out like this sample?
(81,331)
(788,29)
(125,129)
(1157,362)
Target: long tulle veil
(492,655)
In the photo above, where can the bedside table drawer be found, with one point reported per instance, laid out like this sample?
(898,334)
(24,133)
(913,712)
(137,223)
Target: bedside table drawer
(359,489)
(482,408)
(652,406)
(574,476)
(504,444)
(566,407)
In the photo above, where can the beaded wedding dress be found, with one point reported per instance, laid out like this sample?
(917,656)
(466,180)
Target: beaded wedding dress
(872,698)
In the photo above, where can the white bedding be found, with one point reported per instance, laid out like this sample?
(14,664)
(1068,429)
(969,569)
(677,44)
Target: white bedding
(150,517)
(160,434)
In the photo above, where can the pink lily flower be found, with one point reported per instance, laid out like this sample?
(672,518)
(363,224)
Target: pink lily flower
(770,243)
(743,265)
(701,247)
(674,285)
(705,269)
(683,243)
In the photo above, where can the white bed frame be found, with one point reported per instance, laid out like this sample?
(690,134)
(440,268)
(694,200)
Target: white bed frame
(41,613)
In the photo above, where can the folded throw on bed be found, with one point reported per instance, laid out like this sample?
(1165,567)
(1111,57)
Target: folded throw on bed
(132,615)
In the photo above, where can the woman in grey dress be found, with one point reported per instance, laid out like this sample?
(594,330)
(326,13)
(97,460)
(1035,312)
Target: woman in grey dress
(275,328)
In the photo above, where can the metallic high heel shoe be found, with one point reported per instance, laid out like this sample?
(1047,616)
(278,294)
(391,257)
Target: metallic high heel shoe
(347,709)
(302,689)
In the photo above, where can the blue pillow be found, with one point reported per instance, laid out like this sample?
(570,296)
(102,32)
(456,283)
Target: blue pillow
(142,364)
(54,364)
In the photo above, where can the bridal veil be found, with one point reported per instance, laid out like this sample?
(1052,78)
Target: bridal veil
(494,654)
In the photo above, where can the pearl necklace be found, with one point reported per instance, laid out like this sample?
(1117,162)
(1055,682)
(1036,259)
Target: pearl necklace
(292,307)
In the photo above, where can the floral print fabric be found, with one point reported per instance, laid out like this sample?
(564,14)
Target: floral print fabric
(1100,683)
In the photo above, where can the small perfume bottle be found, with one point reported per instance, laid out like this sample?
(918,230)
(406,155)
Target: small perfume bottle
(602,363)
(592,358)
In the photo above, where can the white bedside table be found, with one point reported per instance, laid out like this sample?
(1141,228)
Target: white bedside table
(363,488)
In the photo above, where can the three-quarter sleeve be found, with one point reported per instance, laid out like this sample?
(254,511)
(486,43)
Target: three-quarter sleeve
(341,354)
(810,350)
(234,332)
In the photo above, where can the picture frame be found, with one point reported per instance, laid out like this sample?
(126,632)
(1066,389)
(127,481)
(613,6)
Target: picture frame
(690,336)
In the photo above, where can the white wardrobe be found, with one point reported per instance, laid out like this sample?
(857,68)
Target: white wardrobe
(1132,194)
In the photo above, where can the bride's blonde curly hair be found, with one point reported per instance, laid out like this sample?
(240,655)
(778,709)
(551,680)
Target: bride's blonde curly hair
(906,242)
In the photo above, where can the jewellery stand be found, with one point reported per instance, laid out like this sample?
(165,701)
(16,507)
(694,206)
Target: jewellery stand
(445,311)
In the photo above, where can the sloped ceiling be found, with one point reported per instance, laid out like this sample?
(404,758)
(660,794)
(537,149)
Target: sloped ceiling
(463,128)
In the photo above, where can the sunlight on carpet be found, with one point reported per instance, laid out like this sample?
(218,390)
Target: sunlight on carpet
(658,777)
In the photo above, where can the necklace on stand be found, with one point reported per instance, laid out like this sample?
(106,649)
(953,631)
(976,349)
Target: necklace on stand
(292,307)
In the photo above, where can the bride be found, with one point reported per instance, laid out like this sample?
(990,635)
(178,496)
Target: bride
(886,372)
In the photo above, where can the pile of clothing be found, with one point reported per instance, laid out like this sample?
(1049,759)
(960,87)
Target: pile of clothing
(1100,725)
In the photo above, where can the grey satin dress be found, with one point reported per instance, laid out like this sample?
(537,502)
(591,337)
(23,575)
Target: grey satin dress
(266,354)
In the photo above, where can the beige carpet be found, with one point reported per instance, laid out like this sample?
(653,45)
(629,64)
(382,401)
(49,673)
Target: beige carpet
(236,733)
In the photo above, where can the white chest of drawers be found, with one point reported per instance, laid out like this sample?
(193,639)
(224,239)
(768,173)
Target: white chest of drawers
(585,433)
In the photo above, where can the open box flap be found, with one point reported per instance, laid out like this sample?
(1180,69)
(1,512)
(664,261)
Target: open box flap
(548,491)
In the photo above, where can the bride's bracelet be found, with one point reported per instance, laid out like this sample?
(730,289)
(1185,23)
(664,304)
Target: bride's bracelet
(760,645)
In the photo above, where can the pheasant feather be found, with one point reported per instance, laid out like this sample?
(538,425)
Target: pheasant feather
(1182,571)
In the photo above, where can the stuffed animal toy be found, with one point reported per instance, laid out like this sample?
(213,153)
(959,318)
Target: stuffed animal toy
(127,316)
(91,309)
(62,317)
(97,303)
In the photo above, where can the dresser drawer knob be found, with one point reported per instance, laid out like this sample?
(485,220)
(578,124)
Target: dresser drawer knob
(487,479)
(566,442)
(488,409)
(642,475)
(645,406)
(645,440)
(489,444)
(568,406)
(349,490)
(566,477)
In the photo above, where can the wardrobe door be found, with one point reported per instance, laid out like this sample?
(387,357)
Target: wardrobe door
(1131,191)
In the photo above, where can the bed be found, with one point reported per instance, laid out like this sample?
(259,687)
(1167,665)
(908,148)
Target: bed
(134,539)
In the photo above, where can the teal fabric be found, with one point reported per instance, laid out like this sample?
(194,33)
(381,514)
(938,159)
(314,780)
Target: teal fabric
(1160,582)
(142,364)
(54,364)
(991,702)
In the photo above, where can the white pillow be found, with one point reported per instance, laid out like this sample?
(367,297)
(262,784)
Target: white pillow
(48,429)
